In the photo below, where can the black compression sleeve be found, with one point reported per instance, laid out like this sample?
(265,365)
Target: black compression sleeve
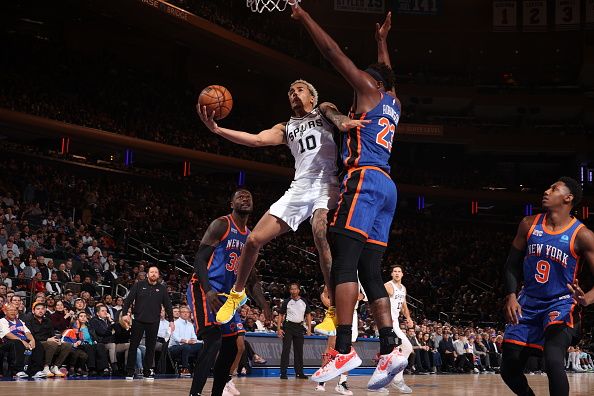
(201,265)
(513,271)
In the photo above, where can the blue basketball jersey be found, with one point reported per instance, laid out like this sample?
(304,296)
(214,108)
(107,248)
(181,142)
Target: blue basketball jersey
(372,144)
(550,262)
(222,267)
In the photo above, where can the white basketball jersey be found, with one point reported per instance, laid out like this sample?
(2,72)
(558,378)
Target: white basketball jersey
(311,142)
(397,299)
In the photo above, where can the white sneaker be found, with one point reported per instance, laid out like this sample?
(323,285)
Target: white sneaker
(475,370)
(343,389)
(320,388)
(379,390)
(40,374)
(230,386)
(47,372)
(56,372)
(401,386)
(338,364)
(387,367)
(21,374)
(226,392)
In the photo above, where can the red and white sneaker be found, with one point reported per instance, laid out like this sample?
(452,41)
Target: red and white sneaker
(387,367)
(338,364)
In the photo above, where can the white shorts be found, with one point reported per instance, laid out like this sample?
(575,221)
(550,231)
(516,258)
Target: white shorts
(303,198)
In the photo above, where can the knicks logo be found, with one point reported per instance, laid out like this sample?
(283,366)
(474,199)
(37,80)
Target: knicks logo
(554,315)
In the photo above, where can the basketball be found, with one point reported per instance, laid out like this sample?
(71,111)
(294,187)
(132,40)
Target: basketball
(218,99)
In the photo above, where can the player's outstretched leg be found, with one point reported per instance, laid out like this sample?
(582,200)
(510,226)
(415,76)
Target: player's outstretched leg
(391,360)
(268,228)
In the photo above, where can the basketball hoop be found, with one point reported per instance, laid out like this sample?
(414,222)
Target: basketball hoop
(269,5)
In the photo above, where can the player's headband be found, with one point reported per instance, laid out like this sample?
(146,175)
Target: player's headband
(378,77)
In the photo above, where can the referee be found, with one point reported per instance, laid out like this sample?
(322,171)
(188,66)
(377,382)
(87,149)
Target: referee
(148,296)
(293,313)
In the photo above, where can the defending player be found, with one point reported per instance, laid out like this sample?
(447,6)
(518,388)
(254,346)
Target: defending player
(309,136)
(397,292)
(361,226)
(214,274)
(545,255)
(342,386)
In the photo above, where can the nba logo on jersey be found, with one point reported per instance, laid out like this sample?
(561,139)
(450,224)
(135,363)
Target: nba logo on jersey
(554,315)
(564,239)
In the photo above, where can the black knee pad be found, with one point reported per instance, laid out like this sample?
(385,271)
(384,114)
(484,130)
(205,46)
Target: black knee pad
(345,257)
(370,272)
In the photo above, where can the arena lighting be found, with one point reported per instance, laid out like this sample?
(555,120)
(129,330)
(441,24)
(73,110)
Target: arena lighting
(65,145)
(420,202)
(187,168)
(474,207)
(241,179)
(128,157)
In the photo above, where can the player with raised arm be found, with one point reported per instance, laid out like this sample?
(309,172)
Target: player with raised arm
(314,191)
(545,256)
(361,226)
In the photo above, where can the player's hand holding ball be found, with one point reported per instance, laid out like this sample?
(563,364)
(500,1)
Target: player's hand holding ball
(214,103)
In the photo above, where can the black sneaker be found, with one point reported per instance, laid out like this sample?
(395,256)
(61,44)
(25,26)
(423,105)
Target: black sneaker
(301,376)
(129,375)
(284,376)
(149,375)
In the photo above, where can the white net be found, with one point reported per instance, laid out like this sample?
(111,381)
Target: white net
(269,5)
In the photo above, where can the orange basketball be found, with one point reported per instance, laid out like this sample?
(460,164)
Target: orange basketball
(218,99)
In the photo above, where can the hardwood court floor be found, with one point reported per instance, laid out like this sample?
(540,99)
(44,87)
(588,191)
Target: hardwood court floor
(445,385)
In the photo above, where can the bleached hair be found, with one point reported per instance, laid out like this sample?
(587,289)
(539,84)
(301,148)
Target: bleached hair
(312,90)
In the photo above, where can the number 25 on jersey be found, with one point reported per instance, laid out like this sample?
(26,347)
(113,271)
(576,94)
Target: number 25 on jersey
(386,135)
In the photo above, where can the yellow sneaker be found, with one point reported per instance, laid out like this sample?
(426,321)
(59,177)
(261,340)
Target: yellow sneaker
(328,325)
(234,301)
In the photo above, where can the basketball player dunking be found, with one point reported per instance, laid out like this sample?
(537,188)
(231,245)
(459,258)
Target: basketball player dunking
(397,293)
(214,274)
(309,135)
(360,229)
(545,255)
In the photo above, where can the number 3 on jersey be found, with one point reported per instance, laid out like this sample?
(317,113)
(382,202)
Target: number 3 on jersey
(542,271)
(232,264)
(386,135)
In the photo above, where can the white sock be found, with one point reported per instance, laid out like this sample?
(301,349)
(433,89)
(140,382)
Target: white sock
(343,378)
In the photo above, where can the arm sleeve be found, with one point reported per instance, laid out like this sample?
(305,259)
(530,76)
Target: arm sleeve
(513,271)
(201,265)
(129,298)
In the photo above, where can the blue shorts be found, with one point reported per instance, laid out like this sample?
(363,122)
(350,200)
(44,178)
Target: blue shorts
(367,205)
(537,315)
(204,317)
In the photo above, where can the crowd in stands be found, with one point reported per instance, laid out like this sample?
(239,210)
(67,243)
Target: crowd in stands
(65,244)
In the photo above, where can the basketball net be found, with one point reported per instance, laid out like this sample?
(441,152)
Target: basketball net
(269,5)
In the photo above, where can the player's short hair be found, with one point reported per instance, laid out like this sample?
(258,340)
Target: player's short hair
(575,188)
(396,266)
(312,90)
(238,189)
(382,73)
